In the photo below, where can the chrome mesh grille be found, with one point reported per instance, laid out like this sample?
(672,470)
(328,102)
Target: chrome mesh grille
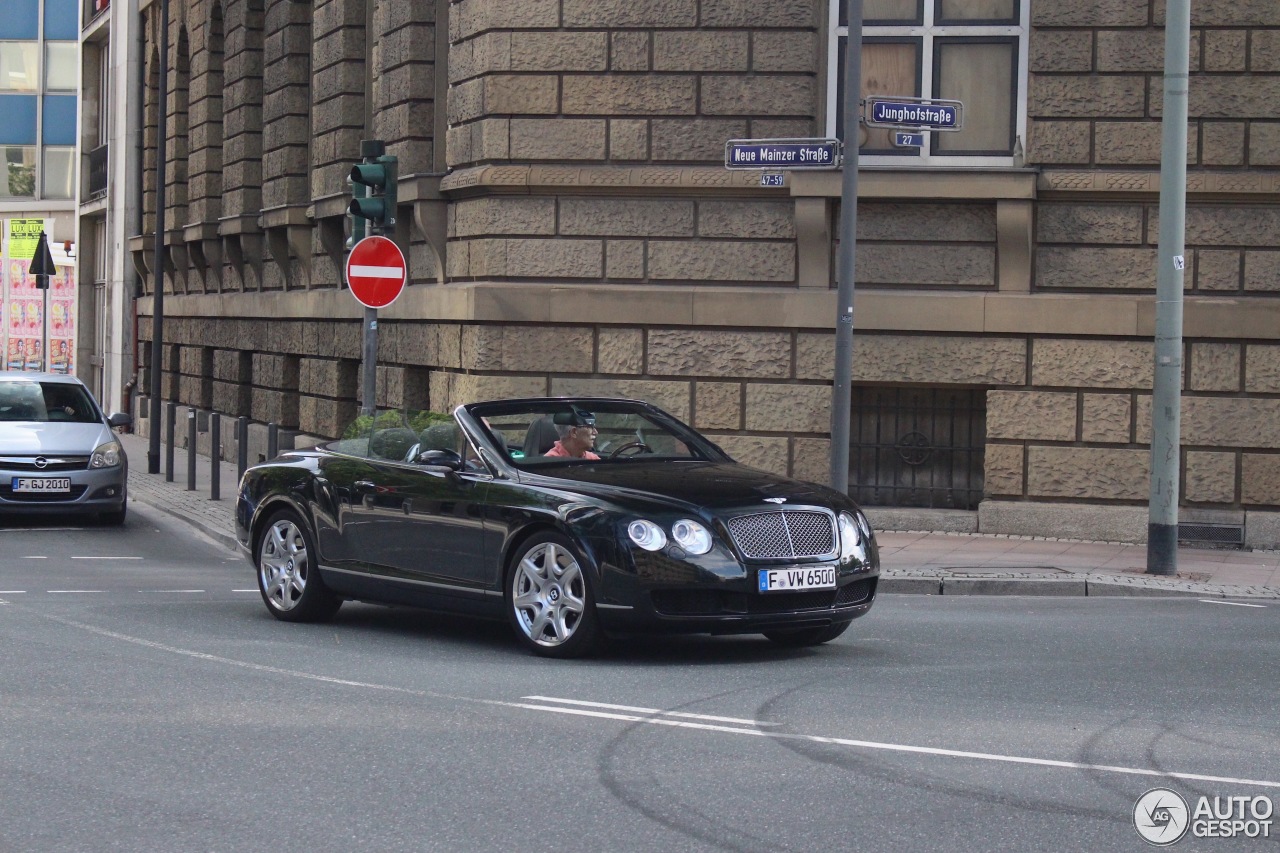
(788,535)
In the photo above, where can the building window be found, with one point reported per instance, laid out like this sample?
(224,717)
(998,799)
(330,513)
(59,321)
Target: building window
(18,70)
(61,66)
(57,179)
(972,51)
(19,178)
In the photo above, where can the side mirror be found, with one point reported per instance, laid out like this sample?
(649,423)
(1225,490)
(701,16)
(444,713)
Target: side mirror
(440,459)
(120,419)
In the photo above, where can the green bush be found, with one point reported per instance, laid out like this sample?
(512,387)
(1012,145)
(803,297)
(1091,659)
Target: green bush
(414,420)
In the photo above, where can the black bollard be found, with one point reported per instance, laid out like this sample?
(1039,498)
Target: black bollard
(191,450)
(273,440)
(171,423)
(242,446)
(215,457)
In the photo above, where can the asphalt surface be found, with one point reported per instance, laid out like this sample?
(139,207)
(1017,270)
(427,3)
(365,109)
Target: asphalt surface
(919,562)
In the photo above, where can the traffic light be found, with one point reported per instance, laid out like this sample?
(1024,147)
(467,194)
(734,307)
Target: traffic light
(373,190)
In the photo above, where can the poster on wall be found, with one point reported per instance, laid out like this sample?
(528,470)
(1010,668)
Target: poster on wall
(23,325)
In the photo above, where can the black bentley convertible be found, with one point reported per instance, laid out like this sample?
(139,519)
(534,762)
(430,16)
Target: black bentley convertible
(571,517)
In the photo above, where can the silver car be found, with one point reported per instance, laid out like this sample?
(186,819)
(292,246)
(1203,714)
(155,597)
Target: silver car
(58,453)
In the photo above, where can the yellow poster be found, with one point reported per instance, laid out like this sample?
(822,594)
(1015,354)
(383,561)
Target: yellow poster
(24,237)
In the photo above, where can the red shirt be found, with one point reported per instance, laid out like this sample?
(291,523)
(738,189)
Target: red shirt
(557,449)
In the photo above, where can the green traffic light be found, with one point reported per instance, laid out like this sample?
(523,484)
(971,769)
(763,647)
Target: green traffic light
(379,207)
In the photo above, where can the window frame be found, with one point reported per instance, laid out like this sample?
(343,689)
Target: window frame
(928,35)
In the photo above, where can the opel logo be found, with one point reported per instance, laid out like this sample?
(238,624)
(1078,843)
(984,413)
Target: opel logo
(41,462)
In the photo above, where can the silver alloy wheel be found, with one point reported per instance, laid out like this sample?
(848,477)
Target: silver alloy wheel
(282,564)
(548,594)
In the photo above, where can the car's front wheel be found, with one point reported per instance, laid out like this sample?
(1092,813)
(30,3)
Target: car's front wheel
(288,578)
(549,599)
(801,637)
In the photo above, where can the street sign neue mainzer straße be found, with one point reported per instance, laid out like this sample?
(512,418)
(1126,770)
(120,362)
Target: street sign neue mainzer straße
(782,154)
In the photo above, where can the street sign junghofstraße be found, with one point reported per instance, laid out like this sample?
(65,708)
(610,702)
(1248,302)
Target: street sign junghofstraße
(913,113)
(775,154)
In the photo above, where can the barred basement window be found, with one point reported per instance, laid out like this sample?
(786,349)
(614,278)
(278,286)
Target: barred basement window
(973,51)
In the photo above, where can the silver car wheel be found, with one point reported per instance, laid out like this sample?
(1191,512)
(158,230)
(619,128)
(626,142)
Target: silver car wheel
(548,594)
(283,564)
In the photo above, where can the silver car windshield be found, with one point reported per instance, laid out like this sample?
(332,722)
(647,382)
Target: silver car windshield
(47,402)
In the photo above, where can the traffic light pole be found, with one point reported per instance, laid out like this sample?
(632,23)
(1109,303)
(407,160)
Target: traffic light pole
(379,173)
(157,268)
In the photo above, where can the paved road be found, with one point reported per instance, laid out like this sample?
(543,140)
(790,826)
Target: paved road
(160,707)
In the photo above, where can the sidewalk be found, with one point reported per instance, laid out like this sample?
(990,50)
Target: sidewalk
(911,562)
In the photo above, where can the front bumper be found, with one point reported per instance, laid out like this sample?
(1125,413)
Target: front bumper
(92,490)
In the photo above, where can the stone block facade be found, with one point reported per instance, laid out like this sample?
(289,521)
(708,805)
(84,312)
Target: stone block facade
(571,230)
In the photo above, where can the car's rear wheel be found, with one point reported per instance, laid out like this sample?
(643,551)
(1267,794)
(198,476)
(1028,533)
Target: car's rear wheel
(288,578)
(801,637)
(549,599)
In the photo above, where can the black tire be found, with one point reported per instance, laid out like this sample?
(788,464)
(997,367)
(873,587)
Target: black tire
(549,600)
(288,579)
(802,637)
(115,518)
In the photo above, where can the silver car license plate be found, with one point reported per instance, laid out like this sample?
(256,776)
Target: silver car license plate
(46,485)
(787,580)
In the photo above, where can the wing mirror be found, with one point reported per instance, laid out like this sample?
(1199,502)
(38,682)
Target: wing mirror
(120,419)
(440,459)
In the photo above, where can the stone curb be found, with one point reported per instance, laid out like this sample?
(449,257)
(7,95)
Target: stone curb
(156,502)
(1070,585)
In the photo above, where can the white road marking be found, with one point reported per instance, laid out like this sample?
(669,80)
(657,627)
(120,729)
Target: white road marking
(35,557)
(899,747)
(106,558)
(12,591)
(75,590)
(171,590)
(1232,603)
(244,590)
(662,721)
(2,601)
(649,711)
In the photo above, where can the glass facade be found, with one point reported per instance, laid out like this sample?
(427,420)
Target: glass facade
(39,79)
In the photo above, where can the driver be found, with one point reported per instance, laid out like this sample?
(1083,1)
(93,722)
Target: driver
(578,432)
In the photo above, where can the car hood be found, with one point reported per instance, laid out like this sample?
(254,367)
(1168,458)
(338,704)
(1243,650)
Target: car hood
(710,485)
(28,438)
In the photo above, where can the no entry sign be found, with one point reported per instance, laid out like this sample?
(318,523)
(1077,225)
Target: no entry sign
(376,272)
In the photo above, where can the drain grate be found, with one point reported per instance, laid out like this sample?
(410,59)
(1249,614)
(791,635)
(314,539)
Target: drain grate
(1212,535)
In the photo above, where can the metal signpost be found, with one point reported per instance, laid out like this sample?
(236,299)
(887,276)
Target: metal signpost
(374,199)
(42,267)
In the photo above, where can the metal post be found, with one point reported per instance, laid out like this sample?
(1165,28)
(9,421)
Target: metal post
(171,423)
(45,363)
(273,441)
(215,457)
(842,388)
(157,267)
(369,365)
(191,450)
(242,445)
(1166,416)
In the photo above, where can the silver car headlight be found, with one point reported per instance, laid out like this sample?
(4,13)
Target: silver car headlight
(691,536)
(851,539)
(105,455)
(647,535)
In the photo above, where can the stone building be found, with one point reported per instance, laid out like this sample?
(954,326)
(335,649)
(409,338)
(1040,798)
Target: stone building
(571,229)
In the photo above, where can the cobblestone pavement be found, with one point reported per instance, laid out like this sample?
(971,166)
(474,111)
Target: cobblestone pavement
(911,561)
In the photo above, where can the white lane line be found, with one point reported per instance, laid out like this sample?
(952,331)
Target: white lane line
(35,557)
(683,714)
(75,590)
(2,601)
(1232,603)
(244,590)
(171,590)
(661,721)
(12,591)
(106,558)
(898,747)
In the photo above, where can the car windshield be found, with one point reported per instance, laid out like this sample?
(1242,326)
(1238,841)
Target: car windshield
(554,432)
(46,402)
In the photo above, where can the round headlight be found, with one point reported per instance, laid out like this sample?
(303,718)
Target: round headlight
(691,536)
(105,455)
(646,534)
(850,538)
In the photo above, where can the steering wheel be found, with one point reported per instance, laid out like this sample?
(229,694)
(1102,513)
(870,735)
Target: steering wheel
(638,446)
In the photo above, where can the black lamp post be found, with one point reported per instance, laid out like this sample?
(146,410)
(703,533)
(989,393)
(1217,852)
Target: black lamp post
(157,296)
